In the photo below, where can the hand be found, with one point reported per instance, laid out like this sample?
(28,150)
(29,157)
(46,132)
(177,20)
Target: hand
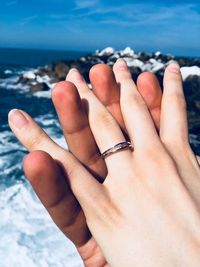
(146,213)
(52,187)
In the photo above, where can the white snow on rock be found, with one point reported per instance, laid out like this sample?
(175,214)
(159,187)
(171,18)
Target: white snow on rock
(29,75)
(157,54)
(107,51)
(133,62)
(152,65)
(146,67)
(156,65)
(127,52)
(190,71)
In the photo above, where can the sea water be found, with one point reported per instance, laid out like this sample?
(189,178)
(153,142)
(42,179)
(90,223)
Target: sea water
(28,237)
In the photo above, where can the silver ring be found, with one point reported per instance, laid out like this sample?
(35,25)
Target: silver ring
(116,148)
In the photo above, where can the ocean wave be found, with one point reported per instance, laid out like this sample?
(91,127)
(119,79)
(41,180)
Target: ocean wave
(28,235)
(46,94)
(11,83)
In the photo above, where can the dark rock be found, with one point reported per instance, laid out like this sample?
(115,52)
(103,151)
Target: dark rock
(191,88)
(39,87)
(22,80)
(60,69)
(46,70)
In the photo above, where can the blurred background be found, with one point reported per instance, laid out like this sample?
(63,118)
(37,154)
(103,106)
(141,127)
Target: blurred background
(40,41)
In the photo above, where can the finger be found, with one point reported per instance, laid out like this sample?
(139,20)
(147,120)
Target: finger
(30,134)
(50,184)
(83,185)
(107,90)
(137,118)
(174,129)
(76,128)
(149,88)
(105,129)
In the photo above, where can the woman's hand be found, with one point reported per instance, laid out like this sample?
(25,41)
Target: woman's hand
(44,144)
(46,174)
(146,213)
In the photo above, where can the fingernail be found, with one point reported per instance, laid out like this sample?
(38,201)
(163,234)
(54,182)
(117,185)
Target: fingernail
(121,64)
(174,67)
(75,75)
(17,118)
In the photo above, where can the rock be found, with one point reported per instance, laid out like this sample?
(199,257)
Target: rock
(30,75)
(127,52)
(157,54)
(197,104)
(190,71)
(83,59)
(134,62)
(44,71)
(106,52)
(157,66)
(36,87)
(60,69)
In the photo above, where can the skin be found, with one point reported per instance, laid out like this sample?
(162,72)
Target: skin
(63,94)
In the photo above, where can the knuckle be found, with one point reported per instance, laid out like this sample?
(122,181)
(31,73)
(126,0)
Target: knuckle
(36,141)
(152,153)
(180,144)
(104,118)
(176,139)
(133,100)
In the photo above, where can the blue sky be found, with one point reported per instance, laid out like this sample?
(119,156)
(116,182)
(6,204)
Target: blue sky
(168,26)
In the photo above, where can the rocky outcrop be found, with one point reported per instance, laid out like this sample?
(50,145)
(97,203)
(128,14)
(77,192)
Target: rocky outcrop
(137,62)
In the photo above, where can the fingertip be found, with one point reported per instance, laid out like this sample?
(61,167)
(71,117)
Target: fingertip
(149,87)
(75,76)
(172,74)
(99,69)
(145,76)
(63,88)
(173,67)
(35,162)
(65,92)
(120,65)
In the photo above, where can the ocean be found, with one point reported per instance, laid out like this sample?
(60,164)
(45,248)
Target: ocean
(28,237)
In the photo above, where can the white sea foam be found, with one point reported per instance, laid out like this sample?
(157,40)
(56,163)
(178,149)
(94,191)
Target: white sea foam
(29,75)
(45,94)
(28,236)
(8,72)
(11,83)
